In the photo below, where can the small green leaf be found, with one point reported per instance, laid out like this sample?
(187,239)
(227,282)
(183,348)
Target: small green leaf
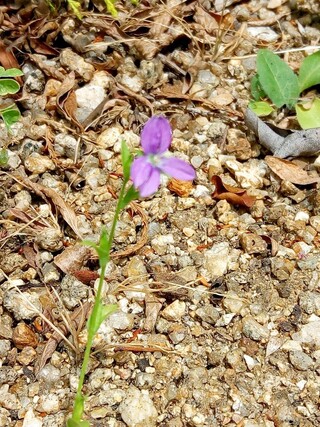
(101,313)
(126,158)
(72,423)
(261,108)
(131,194)
(10,115)
(309,116)
(75,420)
(256,90)
(111,8)
(10,72)
(4,157)
(277,79)
(89,243)
(309,73)
(104,248)
(8,86)
(75,6)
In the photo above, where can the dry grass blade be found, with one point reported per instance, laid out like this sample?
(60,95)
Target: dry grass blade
(77,321)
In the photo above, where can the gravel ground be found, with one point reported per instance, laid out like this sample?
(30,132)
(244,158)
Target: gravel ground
(219,304)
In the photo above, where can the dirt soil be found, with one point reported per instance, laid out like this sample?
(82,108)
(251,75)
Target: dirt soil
(217,281)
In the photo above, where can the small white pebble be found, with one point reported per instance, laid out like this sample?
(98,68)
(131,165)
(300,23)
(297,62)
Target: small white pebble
(302,216)
(188,231)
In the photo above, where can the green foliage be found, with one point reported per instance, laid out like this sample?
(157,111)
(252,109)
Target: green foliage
(75,6)
(9,86)
(261,108)
(309,73)
(309,115)
(101,311)
(10,72)
(126,158)
(256,90)
(10,115)
(276,80)
(4,157)
(111,7)
(72,423)
(131,194)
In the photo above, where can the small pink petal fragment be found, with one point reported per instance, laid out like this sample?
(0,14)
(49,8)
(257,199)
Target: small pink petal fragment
(141,170)
(178,169)
(156,136)
(151,185)
(145,176)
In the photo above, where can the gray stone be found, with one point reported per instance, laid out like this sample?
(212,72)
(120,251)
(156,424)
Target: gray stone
(252,329)
(300,360)
(18,305)
(208,314)
(310,302)
(72,291)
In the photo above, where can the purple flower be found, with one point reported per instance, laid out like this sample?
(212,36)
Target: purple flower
(156,137)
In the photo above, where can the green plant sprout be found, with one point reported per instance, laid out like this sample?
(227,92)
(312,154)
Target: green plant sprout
(75,7)
(277,81)
(10,114)
(144,171)
(101,311)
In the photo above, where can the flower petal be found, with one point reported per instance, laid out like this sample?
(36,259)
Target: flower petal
(145,176)
(156,135)
(151,185)
(141,170)
(178,169)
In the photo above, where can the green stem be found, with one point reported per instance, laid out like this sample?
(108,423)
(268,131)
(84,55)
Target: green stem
(79,400)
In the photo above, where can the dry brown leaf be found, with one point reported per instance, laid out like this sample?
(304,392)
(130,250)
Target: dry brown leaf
(73,258)
(147,49)
(66,99)
(86,276)
(181,188)
(152,308)
(290,172)
(234,195)
(111,109)
(161,24)
(66,211)
(205,19)
(8,60)
(24,336)
(47,69)
(26,218)
(32,256)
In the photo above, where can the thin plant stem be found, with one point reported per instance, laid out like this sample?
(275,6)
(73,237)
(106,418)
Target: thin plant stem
(77,413)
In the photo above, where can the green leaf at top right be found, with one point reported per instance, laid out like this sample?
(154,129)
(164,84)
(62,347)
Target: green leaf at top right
(309,73)
(277,79)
